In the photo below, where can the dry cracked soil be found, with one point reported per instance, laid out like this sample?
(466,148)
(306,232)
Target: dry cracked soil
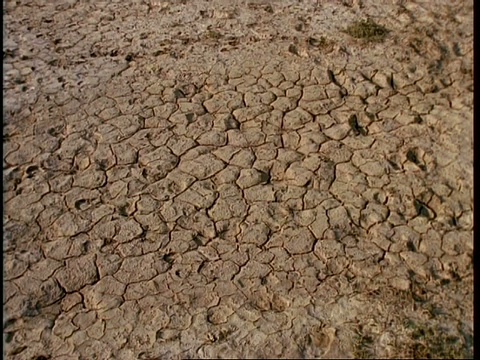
(237,179)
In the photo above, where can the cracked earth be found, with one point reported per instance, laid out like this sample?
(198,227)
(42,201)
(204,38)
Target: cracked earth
(236,179)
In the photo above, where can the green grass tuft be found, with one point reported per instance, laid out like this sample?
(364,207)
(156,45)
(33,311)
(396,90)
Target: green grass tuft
(367,30)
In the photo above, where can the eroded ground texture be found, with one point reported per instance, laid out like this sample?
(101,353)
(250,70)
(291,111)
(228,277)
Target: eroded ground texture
(237,179)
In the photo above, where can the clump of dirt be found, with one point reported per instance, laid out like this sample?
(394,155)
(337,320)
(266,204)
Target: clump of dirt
(321,43)
(367,30)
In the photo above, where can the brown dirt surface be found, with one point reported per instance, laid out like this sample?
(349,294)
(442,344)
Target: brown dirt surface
(238,179)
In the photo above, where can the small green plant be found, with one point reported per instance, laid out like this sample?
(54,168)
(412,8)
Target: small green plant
(367,30)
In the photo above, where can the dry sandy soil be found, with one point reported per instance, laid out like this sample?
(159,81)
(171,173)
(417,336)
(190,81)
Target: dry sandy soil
(243,179)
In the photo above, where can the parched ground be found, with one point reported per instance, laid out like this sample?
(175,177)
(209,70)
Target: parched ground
(243,179)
